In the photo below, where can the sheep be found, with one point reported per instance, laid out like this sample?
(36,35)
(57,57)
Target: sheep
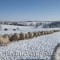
(55,30)
(42,33)
(51,31)
(58,30)
(21,36)
(30,34)
(38,33)
(4,40)
(10,35)
(34,34)
(14,37)
(47,32)
(5,35)
(26,36)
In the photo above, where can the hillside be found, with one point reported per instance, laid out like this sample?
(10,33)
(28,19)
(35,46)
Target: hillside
(52,25)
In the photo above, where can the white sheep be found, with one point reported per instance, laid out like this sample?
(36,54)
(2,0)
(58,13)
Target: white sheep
(26,36)
(4,40)
(41,32)
(14,37)
(30,35)
(34,34)
(38,33)
(21,36)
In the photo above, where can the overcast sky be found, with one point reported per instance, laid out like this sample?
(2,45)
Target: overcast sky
(28,10)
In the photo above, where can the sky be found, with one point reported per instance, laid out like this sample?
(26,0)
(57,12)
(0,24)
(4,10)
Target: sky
(30,10)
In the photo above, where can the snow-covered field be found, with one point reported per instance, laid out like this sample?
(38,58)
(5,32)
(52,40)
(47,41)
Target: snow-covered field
(36,48)
(23,29)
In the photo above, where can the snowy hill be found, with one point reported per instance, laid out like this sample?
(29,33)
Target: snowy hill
(52,25)
(25,23)
(42,24)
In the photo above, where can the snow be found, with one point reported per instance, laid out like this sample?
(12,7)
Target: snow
(23,29)
(36,48)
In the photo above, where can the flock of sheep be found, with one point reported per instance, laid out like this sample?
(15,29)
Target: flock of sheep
(5,39)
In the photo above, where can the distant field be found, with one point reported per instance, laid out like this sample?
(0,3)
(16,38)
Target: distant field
(10,29)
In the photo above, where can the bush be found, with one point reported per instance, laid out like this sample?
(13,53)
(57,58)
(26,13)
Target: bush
(5,29)
(14,29)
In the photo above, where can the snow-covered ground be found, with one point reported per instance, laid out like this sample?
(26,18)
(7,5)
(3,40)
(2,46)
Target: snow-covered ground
(36,48)
(23,29)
